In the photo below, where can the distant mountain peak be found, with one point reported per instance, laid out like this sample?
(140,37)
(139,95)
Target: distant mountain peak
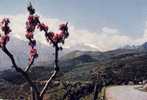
(84,47)
(144,45)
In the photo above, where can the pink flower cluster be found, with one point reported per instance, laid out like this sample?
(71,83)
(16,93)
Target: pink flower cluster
(32,23)
(58,37)
(6,29)
(30,28)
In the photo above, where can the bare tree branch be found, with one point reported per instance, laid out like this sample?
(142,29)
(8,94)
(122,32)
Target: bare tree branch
(47,84)
(54,73)
(6,51)
(29,66)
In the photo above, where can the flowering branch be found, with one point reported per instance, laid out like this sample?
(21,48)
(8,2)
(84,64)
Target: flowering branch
(51,37)
(3,42)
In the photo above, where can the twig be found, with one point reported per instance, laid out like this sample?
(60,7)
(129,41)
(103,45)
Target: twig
(29,66)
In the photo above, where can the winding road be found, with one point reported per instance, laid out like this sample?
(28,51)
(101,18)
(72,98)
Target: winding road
(124,93)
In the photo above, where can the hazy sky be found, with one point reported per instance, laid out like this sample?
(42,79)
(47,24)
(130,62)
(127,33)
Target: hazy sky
(126,16)
(129,16)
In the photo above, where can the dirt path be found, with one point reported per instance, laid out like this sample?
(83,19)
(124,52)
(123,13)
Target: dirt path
(124,93)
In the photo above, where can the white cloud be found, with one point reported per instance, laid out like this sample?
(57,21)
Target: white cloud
(106,39)
(108,30)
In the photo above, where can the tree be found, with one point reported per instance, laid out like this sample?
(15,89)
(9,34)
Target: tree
(55,39)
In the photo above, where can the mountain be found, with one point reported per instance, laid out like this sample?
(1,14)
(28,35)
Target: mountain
(79,68)
(81,65)
(139,47)
(84,47)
